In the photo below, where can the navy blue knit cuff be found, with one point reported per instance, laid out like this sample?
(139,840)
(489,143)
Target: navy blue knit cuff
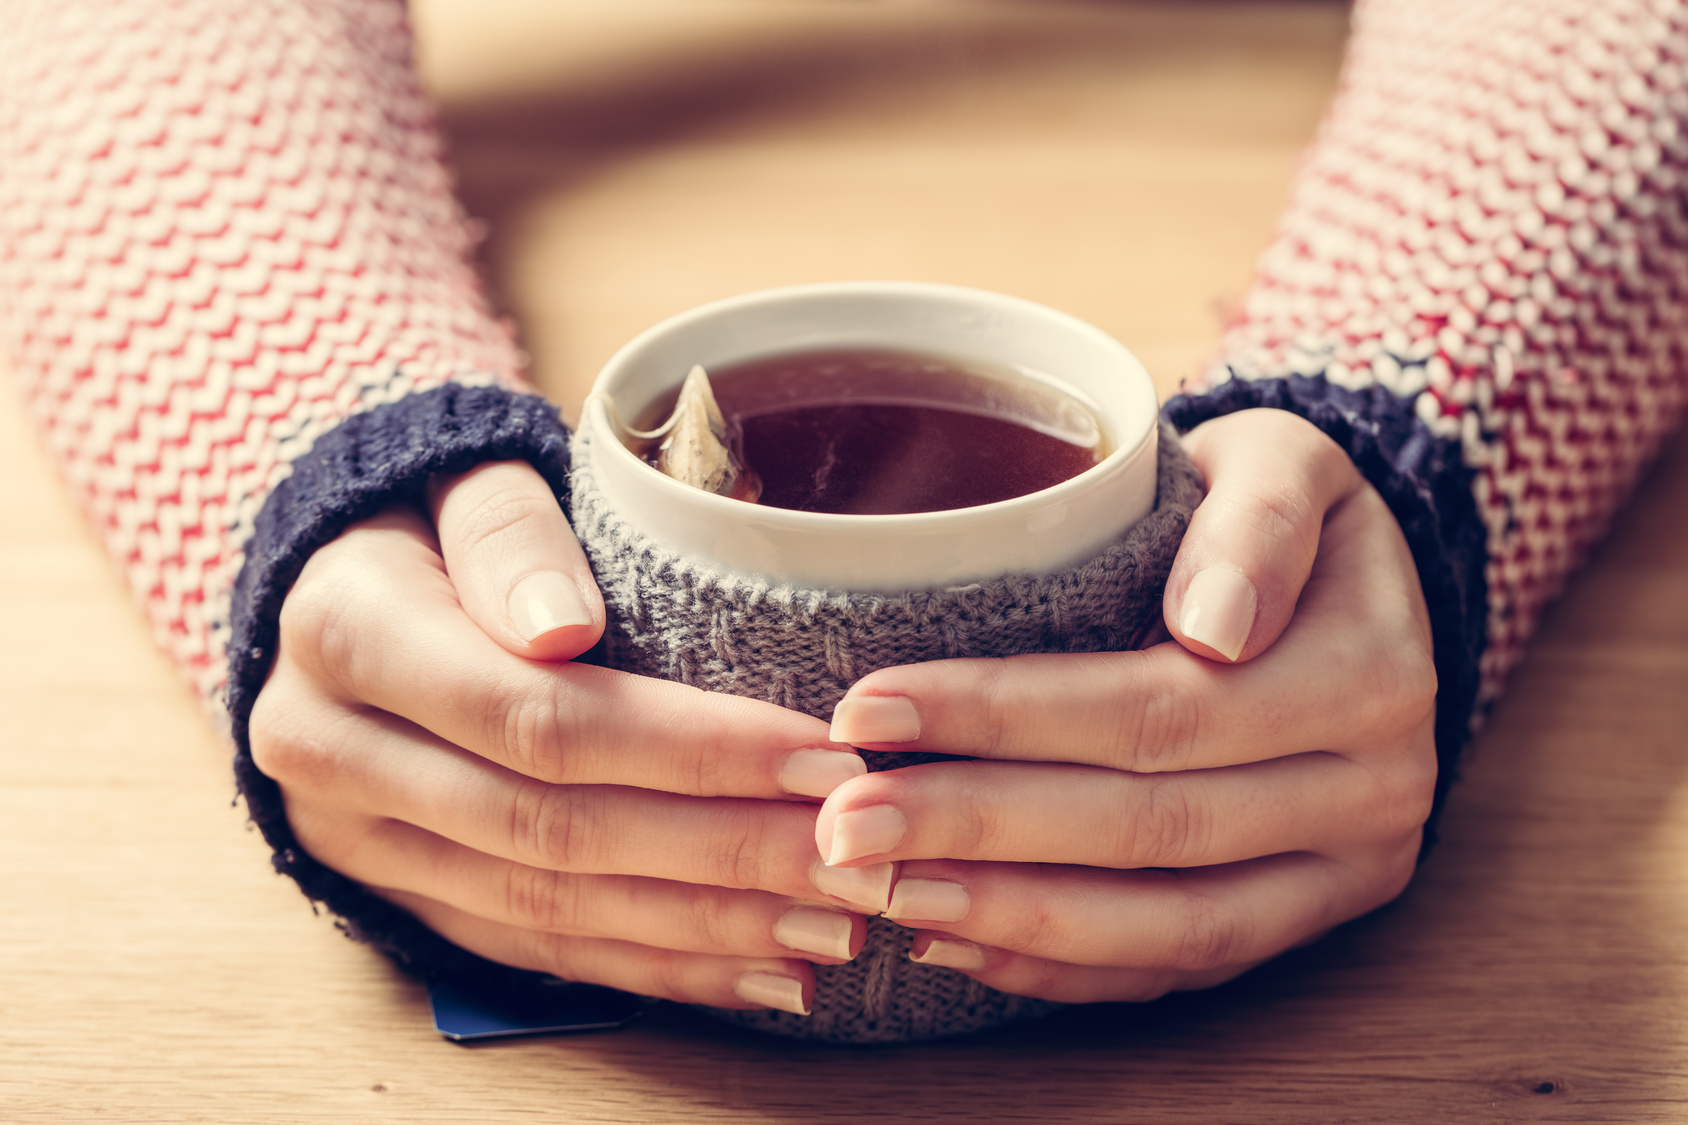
(1427,486)
(365,464)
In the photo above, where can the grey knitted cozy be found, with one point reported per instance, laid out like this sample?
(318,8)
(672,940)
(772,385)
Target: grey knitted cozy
(679,618)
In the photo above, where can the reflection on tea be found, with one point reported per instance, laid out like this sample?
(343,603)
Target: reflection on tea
(876,432)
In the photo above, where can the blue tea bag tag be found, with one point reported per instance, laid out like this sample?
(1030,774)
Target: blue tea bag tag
(544,1008)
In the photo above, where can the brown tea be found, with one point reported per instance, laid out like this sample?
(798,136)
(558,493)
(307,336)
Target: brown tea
(877,432)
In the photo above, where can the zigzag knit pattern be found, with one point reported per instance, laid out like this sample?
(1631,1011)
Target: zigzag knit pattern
(224,228)
(1492,227)
(680,618)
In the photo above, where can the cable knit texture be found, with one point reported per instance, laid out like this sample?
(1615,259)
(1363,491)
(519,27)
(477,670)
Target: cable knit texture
(680,618)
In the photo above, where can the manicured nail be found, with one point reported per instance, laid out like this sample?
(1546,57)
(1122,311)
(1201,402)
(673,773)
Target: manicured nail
(952,953)
(867,887)
(1219,608)
(929,900)
(869,831)
(772,991)
(875,718)
(810,929)
(816,773)
(545,601)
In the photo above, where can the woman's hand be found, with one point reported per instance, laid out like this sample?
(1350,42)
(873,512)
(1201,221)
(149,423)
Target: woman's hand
(1166,819)
(597,825)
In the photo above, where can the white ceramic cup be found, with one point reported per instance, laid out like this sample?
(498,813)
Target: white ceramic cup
(1038,533)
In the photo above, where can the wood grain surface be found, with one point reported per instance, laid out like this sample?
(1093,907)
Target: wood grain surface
(1122,161)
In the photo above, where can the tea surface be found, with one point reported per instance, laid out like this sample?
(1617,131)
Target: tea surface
(872,432)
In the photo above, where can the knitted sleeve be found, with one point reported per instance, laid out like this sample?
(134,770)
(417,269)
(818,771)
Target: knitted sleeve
(225,229)
(1480,290)
(236,291)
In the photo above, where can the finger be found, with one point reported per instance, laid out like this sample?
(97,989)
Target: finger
(374,618)
(1271,478)
(691,978)
(1167,709)
(1043,979)
(1194,921)
(1029,812)
(378,766)
(392,855)
(516,565)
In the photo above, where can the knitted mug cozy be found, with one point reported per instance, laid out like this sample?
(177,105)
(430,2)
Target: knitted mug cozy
(680,618)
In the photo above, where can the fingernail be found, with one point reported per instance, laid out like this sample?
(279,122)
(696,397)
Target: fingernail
(869,831)
(952,953)
(545,601)
(816,773)
(810,929)
(1219,608)
(929,900)
(773,991)
(867,887)
(875,718)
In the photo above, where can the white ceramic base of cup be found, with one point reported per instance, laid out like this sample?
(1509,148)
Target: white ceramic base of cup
(1037,533)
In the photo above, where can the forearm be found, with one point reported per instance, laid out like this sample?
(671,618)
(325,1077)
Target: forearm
(223,231)
(1478,289)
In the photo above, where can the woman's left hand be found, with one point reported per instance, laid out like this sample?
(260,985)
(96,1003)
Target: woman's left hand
(1166,819)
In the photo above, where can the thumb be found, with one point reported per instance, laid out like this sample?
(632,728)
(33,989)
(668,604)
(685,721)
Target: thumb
(519,571)
(1271,477)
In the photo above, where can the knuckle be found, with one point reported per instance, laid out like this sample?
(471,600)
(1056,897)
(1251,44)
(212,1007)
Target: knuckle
(1162,732)
(735,858)
(291,759)
(1034,929)
(976,832)
(553,827)
(999,706)
(543,900)
(502,516)
(267,734)
(1282,514)
(1206,938)
(671,972)
(1402,688)
(528,730)
(1405,792)
(557,954)
(317,622)
(334,620)
(713,923)
(1164,828)
(1400,749)
(294,753)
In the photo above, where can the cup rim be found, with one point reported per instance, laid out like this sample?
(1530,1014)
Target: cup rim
(1127,446)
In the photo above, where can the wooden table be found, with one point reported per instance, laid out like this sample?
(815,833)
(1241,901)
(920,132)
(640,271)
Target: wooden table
(1122,161)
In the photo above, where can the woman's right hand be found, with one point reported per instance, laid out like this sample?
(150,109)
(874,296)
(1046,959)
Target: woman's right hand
(432,742)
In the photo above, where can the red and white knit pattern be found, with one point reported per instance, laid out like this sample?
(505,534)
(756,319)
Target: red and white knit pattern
(1492,223)
(223,228)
